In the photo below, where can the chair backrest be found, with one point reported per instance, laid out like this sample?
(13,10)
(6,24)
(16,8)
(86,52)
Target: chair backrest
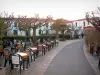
(1,49)
(40,47)
(16,59)
(6,53)
(28,54)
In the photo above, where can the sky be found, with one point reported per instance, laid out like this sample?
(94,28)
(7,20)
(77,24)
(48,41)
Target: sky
(67,9)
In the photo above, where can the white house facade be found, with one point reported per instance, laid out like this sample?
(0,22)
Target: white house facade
(14,30)
(78,25)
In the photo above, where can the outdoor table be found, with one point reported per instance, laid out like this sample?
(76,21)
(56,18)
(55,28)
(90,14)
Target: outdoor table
(52,41)
(45,48)
(33,48)
(33,52)
(41,48)
(57,41)
(40,45)
(17,60)
(21,54)
(52,44)
(49,45)
(44,45)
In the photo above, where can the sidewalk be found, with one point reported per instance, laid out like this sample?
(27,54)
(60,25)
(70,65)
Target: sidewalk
(42,62)
(93,60)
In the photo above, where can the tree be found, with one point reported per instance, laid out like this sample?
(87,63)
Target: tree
(3,29)
(32,23)
(8,19)
(5,25)
(94,18)
(23,25)
(59,25)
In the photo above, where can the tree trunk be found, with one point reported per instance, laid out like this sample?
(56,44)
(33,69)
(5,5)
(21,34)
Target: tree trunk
(29,32)
(34,34)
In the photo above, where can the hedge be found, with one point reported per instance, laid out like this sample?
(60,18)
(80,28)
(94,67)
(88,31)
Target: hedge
(64,36)
(27,38)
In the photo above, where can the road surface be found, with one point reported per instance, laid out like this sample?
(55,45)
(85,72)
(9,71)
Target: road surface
(70,61)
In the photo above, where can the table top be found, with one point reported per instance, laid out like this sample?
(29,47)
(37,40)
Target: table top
(33,48)
(44,45)
(21,54)
(52,41)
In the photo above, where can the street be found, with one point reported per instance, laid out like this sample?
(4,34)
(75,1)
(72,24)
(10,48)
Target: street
(70,61)
(66,59)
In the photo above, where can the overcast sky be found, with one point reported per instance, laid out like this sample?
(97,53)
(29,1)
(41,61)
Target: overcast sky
(68,9)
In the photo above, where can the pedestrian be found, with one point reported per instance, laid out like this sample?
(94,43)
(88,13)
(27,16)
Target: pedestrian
(41,40)
(82,35)
(98,50)
(99,63)
(91,48)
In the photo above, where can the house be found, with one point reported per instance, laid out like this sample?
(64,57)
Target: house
(78,25)
(41,30)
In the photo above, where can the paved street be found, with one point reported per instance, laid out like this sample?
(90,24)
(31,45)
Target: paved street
(70,61)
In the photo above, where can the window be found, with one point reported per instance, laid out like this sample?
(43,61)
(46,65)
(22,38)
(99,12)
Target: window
(47,32)
(40,31)
(15,24)
(15,32)
(27,33)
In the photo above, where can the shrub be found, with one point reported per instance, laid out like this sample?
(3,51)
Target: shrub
(64,36)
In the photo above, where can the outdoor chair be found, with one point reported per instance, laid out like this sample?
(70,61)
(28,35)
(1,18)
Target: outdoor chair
(49,45)
(40,48)
(26,58)
(57,42)
(33,53)
(17,61)
(52,44)
(1,51)
(7,57)
(46,47)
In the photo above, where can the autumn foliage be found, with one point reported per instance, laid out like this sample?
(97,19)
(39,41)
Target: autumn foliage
(59,25)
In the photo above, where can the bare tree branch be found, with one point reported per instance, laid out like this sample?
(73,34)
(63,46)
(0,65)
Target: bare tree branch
(94,18)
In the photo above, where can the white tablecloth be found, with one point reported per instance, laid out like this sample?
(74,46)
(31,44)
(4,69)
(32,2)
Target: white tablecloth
(21,54)
(33,49)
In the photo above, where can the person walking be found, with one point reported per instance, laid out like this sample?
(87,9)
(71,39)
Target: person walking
(91,48)
(98,50)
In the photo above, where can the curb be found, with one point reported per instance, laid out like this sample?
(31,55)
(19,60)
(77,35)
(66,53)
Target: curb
(93,61)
